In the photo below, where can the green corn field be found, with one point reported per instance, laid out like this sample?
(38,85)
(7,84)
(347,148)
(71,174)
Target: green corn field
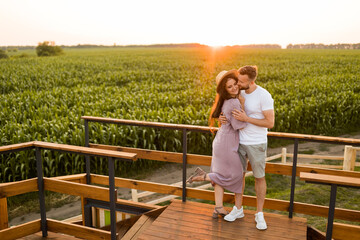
(315,92)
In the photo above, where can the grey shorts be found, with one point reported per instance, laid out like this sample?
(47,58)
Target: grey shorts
(256,155)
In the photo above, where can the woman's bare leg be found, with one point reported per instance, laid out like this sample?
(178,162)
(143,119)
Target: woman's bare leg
(239,196)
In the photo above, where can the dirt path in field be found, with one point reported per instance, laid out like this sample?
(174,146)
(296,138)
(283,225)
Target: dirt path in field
(172,173)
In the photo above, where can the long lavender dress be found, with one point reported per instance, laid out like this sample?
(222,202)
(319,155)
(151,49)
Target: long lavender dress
(226,166)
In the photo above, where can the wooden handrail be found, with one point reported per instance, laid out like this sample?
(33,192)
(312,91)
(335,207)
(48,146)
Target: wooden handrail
(307,137)
(17,146)
(304,137)
(70,148)
(148,124)
(85,150)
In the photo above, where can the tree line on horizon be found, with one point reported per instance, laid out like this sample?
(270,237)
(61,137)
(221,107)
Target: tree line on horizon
(14,48)
(324,46)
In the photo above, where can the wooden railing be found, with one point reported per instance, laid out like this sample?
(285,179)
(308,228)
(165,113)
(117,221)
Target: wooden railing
(77,184)
(348,159)
(87,192)
(185,156)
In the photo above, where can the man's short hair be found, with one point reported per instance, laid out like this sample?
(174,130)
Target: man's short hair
(251,71)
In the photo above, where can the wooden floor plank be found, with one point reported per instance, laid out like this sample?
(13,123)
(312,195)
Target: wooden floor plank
(204,215)
(170,233)
(227,230)
(234,227)
(194,220)
(210,207)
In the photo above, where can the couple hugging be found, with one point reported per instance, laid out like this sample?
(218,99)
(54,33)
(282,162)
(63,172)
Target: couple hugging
(245,111)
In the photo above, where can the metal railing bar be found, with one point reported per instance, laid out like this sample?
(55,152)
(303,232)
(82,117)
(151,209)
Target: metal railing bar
(293,178)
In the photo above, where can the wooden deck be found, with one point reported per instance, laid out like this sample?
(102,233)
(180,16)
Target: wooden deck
(193,220)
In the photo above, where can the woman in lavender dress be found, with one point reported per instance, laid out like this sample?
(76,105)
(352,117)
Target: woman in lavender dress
(226,167)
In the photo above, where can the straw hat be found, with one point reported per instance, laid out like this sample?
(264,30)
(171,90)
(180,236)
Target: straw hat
(223,75)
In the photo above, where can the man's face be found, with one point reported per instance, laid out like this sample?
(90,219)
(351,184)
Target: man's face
(244,82)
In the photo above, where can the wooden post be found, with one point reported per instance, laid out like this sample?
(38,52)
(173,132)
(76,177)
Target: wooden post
(83,202)
(283,155)
(4,221)
(349,158)
(134,195)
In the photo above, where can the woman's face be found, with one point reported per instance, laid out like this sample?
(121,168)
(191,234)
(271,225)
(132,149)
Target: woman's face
(231,87)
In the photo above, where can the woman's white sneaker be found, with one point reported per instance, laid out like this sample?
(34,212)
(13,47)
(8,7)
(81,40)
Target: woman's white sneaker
(260,221)
(234,214)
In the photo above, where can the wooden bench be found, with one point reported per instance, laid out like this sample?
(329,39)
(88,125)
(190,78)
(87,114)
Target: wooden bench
(334,181)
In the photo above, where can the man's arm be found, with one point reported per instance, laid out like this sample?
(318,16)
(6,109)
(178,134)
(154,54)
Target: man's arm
(268,121)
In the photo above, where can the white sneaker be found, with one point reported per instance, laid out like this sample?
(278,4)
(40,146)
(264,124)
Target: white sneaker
(234,214)
(260,221)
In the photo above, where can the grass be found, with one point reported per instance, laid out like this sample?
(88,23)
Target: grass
(29,203)
(309,151)
(324,147)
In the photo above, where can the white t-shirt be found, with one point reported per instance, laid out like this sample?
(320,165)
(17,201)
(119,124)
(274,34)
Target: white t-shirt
(255,103)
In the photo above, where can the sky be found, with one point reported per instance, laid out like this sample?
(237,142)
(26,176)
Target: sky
(214,23)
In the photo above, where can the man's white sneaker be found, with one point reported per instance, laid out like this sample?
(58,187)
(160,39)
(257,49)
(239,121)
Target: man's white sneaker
(260,221)
(234,214)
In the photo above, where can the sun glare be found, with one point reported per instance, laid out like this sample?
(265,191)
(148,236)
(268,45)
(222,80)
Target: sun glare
(216,47)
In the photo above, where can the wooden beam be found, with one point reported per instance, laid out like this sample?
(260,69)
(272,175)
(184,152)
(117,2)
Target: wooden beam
(159,155)
(275,168)
(72,178)
(4,218)
(128,183)
(78,189)
(273,157)
(138,184)
(137,204)
(329,179)
(137,228)
(279,168)
(343,231)
(17,188)
(311,156)
(85,150)
(77,230)
(21,230)
(321,166)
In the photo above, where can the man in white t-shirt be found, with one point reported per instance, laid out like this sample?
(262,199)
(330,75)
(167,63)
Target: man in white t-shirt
(259,115)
